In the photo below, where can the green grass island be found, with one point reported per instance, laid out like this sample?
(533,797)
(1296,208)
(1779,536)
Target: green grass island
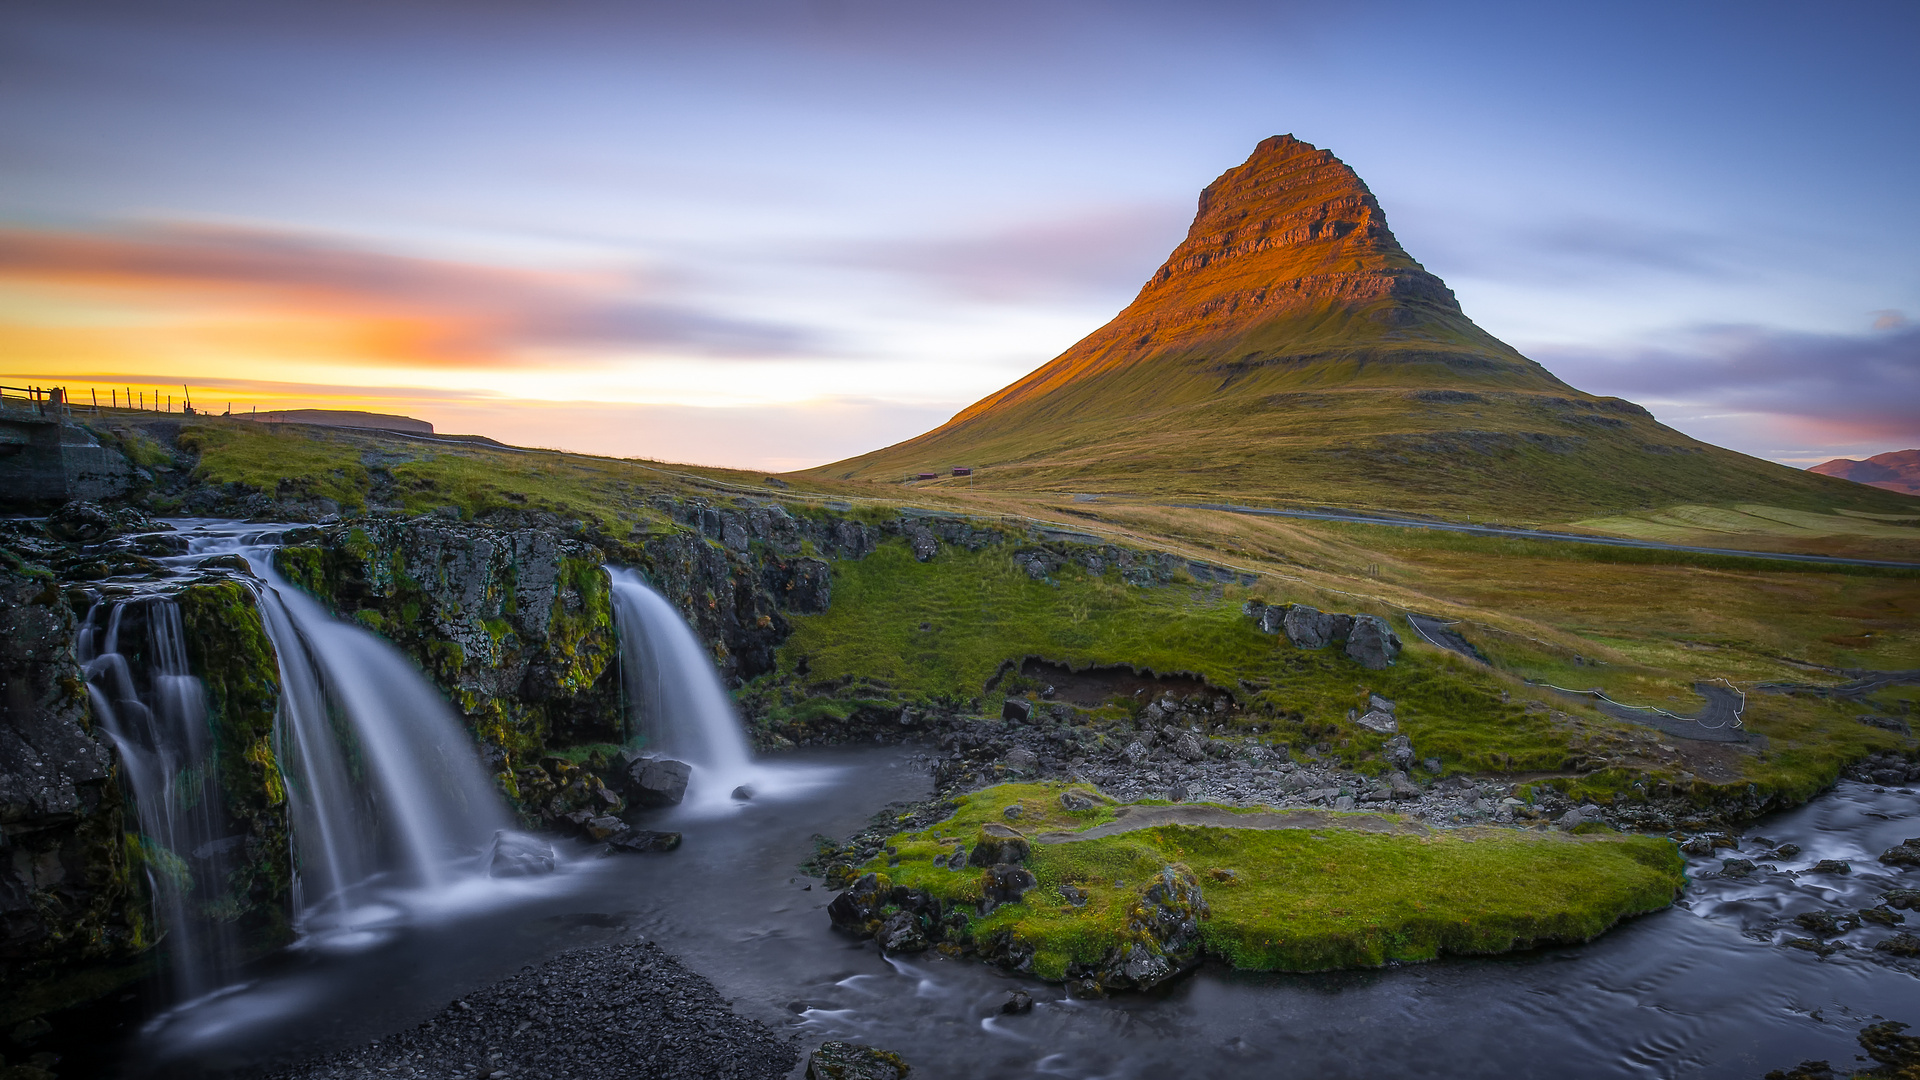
(1076,887)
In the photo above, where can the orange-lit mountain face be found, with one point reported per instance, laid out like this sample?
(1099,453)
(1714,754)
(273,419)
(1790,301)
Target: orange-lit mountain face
(1289,350)
(1292,233)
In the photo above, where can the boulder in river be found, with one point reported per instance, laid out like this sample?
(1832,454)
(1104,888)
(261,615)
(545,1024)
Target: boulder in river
(855,1061)
(515,854)
(643,841)
(1906,856)
(1018,1003)
(654,782)
(860,902)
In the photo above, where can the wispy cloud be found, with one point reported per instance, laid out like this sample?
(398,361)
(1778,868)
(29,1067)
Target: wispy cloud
(423,312)
(1103,252)
(1848,388)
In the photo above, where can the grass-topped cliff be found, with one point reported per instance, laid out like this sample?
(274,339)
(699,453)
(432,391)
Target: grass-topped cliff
(1289,351)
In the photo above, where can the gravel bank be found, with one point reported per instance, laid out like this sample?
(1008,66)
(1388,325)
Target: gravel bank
(627,1009)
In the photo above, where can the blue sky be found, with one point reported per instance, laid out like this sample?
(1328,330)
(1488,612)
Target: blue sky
(773,235)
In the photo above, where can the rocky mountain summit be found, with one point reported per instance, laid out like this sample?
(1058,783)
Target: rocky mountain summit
(1289,349)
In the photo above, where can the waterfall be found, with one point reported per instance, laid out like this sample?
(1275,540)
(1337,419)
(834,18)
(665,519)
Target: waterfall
(383,782)
(678,705)
(388,803)
(154,712)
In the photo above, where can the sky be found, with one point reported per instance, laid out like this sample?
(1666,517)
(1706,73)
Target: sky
(772,235)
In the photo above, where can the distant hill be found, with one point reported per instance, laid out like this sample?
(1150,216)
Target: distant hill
(342,418)
(1290,351)
(1896,470)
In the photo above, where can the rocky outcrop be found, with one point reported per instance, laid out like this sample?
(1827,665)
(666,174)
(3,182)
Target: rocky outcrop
(1368,639)
(513,625)
(67,901)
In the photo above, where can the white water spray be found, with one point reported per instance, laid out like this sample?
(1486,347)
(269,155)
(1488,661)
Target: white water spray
(159,726)
(678,706)
(384,785)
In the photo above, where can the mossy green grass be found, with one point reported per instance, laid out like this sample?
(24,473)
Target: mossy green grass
(1295,899)
(939,631)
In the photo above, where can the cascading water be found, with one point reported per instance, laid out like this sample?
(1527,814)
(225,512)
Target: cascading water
(387,800)
(678,706)
(155,713)
(384,785)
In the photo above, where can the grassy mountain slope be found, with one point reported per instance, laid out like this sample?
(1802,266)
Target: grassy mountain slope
(1290,351)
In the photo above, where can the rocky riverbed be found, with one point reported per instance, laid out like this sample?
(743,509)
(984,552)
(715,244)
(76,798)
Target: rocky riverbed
(625,1009)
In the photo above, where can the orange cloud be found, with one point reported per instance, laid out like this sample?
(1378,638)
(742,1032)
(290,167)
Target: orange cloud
(240,296)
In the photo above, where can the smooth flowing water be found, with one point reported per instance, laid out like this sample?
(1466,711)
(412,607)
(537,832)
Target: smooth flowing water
(155,712)
(677,706)
(1705,989)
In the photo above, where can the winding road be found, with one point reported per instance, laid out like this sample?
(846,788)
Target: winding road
(1538,534)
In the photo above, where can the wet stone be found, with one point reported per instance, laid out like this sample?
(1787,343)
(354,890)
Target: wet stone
(855,1061)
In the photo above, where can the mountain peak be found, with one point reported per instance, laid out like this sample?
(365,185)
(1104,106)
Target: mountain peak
(1292,226)
(1289,349)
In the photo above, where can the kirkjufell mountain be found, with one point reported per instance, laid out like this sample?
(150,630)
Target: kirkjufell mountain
(1291,351)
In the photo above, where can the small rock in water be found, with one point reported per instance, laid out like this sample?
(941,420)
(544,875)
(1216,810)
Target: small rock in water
(1831,866)
(519,855)
(1018,1003)
(855,1061)
(1736,868)
(644,840)
(1786,851)
(658,781)
(743,793)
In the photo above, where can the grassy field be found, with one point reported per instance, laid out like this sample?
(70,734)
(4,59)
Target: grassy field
(1295,899)
(1643,625)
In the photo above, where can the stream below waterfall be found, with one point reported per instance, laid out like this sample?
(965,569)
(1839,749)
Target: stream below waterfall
(1700,990)
(1705,989)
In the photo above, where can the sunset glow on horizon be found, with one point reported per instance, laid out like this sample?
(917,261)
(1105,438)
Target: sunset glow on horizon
(771,237)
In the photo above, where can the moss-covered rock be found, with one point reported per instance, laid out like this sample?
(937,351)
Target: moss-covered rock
(72,920)
(228,649)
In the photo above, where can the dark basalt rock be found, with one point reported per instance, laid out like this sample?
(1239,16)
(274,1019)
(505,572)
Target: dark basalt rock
(1831,866)
(1004,883)
(643,841)
(997,844)
(855,1061)
(1018,1003)
(655,782)
(1311,628)
(1906,856)
(1372,643)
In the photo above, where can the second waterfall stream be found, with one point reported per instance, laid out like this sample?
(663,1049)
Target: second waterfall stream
(677,705)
